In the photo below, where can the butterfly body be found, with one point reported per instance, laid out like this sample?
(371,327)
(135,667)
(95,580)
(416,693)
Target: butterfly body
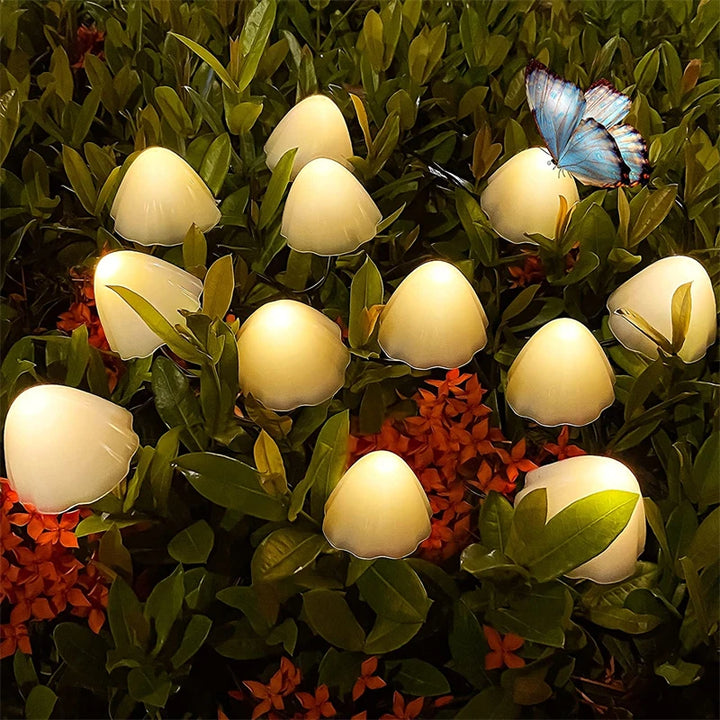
(584,132)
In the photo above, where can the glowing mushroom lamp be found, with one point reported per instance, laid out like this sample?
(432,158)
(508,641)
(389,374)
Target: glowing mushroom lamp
(433,319)
(567,481)
(561,376)
(328,211)
(523,195)
(290,355)
(649,294)
(317,128)
(66,447)
(164,285)
(159,199)
(378,509)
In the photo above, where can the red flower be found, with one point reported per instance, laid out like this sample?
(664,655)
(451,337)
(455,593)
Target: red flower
(562,450)
(88,41)
(501,649)
(367,680)
(281,684)
(48,529)
(516,462)
(531,271)
(318,705)
(402,711)
(14,637)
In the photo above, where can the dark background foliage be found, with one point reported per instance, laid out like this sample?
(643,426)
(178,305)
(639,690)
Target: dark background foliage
(442,106)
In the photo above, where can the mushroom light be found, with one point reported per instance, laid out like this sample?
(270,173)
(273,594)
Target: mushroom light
(434,319)
(561,376)
(523,195)
(328,211)
(291,355)
(317,128)
(650,293)
(378,509)
(160,198)
(66,447)
(165,286)
(572,479)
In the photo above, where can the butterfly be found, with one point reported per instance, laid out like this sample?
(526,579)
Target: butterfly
(584,131)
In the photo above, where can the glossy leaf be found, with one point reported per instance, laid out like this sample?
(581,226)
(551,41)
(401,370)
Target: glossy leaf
(330,616)
(230,483)
(285,552)
(193,544)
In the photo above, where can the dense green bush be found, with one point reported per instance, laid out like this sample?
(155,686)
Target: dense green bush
(211,580)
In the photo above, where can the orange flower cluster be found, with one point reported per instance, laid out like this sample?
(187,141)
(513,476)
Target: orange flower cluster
(40,577)
(451,447)
(83,312)
(270,698)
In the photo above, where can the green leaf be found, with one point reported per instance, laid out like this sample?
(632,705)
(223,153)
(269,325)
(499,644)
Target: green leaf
(483,563)
(218,288)
(176,404)
(276,188)
(159,325)
(493,702)
(128,625)
(24,671)
(468,646)
(285,552)
(366,290)
(253,39)
(495,520)
(330,616)
(173,111)
(679,673)
(40,703)
(78,356)
(417,677)
(9,121)
(80,178)
(113,553)
(577,533)
(238,641)
(193,544)
(194,636)
(99,523)
(242,117)
(697,598)
(657,525)
(394,591)
(524,298)
(145,686)
(681,313)
(541,615)
(269,462)
(210,59)
(164,604)
(84,652)
(259,607)
(231,484)
(328,462)
(216,162)
(387,635)
(653,212)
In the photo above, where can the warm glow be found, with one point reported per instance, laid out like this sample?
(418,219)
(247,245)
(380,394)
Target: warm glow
(433,319)
(65,447)
(317,128)
(327,211)
(291,355)
(575,478)
(378,509)
(561,376)
(649,294)
(523,196)
(165,286)
(160,198)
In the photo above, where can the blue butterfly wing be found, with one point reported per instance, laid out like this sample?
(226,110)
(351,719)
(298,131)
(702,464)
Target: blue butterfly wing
(593,157)
(557,106)
(634,152)
(606,104)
